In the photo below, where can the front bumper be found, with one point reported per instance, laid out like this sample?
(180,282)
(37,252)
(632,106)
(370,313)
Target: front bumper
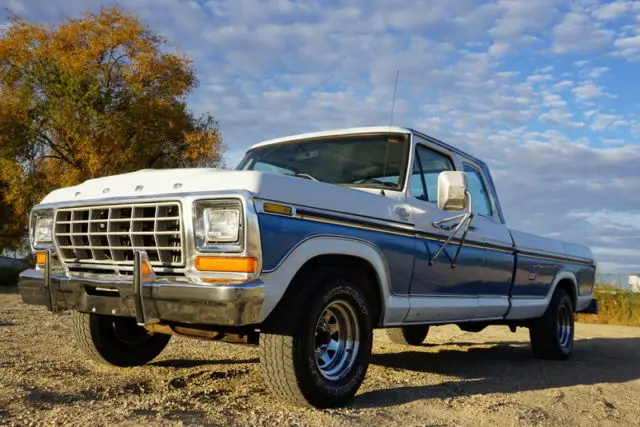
(149,299)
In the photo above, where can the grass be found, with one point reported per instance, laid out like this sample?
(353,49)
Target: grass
(617,307)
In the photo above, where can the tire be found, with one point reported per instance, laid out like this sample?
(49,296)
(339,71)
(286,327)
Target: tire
(116,341)
(408,335)
(552,334)
(334,320)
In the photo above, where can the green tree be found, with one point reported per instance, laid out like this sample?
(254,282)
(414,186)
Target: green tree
(91,97)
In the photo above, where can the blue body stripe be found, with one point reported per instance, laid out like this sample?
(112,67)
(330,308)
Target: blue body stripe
(281,234)
(479,271)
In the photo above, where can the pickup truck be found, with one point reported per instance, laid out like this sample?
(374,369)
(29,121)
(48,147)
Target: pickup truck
(304,249)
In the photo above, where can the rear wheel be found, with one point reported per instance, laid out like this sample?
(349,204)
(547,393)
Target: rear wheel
(411,335)
(116,341)
(552,334)
(322,360)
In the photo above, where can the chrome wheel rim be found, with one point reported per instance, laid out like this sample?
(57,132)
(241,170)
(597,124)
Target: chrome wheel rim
(564,326)
(336,340)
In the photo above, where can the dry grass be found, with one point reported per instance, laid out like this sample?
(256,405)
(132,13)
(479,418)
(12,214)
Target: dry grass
(617,307)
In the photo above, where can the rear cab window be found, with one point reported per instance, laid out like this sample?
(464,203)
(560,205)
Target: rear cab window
(477,187)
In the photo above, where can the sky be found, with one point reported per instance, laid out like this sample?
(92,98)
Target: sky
(547,92)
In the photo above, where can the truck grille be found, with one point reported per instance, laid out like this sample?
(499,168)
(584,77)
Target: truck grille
(107,235)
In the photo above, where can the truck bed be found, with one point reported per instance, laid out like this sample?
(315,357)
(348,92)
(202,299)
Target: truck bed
(532,244)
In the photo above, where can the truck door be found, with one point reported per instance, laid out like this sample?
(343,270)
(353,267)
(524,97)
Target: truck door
(476,286)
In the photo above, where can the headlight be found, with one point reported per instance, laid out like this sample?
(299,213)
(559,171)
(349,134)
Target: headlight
(44,230)
(221,225)
(218,225)
(41,228)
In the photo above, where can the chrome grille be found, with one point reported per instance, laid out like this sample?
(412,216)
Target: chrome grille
(108,235)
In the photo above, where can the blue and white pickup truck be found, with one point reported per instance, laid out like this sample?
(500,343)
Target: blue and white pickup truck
(309,245)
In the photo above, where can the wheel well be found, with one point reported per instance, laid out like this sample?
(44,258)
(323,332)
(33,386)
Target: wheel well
(568,286)
(360,266)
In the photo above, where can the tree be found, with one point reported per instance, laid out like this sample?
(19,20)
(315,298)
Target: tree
(91,97)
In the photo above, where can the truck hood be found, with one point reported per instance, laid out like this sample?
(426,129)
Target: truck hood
(270,186)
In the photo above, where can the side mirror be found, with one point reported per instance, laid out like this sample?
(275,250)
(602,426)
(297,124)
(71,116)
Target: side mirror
(452,191)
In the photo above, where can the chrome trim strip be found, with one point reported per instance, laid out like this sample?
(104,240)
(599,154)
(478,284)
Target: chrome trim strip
(559,258)
(383,226)
(406,232)
(305,211)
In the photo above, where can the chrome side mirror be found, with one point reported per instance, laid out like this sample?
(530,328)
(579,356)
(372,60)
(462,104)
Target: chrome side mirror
(452,191)
(453,196)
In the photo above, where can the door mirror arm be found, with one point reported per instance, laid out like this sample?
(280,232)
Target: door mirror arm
(465,220)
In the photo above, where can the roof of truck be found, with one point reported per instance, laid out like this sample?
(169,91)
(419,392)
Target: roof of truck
(364,130)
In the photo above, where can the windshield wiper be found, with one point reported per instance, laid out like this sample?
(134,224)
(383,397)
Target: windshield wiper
(305,176)
(374,183)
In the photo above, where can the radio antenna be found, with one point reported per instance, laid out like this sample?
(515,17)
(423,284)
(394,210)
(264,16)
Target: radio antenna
(393,104)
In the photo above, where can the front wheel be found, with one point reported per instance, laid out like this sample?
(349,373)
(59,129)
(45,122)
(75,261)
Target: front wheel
(116,341)
(322,361)
(552,334)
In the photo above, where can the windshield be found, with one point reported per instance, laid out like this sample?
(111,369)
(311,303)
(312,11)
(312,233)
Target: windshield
(369,161)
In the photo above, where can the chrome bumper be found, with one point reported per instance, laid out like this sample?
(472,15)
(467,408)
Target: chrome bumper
(149,299)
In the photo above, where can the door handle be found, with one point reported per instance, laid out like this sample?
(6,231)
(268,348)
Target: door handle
(451,226)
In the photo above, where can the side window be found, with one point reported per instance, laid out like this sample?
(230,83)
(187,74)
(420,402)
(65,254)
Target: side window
(427,166)
(477,188)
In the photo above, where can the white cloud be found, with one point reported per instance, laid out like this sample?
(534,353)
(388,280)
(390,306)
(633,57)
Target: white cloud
(498,49)
(594,73)
(611,11)
(538,78)
(577,33)
(607,121)
(587,91)
(628,47)
(556,117)
(564,84)
(553,100)
(518,17)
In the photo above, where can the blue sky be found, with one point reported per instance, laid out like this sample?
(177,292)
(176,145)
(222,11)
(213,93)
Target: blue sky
(546,91)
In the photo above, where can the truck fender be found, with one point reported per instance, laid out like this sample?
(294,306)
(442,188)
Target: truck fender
(566,276)
(531,308)
(277,280)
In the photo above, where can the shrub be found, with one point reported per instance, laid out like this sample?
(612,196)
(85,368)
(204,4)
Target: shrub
(617,307)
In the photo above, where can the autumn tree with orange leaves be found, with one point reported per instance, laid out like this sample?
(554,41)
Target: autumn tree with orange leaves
(91,97)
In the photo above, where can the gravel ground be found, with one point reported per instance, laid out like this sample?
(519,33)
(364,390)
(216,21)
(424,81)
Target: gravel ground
(458,378)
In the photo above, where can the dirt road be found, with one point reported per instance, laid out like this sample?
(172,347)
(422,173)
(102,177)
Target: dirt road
(459,378)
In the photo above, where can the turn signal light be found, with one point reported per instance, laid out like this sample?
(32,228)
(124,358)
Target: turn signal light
(146,268)
(41,258)
(278,209)
(226,264)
